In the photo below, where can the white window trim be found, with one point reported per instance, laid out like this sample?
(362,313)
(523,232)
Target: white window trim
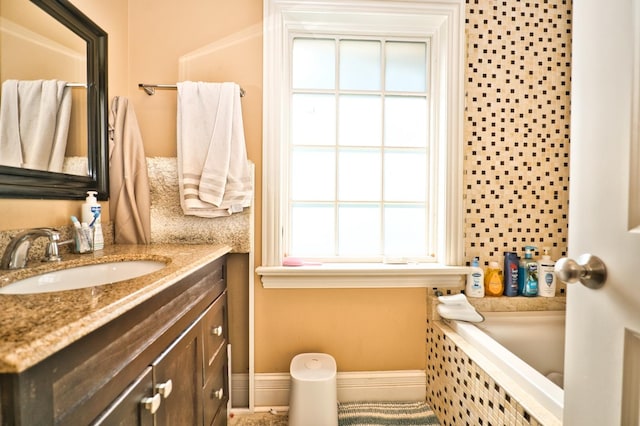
(443,20)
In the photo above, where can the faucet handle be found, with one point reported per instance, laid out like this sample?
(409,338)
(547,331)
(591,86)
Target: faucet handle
(52,252)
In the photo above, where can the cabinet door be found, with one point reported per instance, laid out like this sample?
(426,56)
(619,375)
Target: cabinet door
(216,391)
(129,408)
(177,376)
(214,325)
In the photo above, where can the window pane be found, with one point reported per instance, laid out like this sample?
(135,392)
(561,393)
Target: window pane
(313,64)
(405,121)
(406,69)
(359,65)
(405,176)
(313,174)
(313,120)
(312,230)
(359,175)
(404,231)
(360,120)
(359,230)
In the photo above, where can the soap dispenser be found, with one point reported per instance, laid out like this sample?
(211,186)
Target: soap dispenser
(528,274)
(89,209)
(91,217)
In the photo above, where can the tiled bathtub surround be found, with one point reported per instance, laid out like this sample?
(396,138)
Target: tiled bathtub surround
(516,130)
(459,390)
(462,393)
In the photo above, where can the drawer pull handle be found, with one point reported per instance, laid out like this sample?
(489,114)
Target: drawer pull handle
(165,388)
(217,331)
(152,404)
(219,393)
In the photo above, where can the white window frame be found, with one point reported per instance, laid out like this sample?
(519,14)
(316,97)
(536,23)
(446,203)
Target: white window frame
(443,22)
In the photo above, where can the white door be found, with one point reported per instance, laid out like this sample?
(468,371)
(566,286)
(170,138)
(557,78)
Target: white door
(602,365)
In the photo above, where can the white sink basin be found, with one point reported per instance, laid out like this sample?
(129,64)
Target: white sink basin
(83,276)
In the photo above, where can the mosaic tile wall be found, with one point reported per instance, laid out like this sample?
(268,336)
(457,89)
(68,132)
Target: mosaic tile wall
(516,174)
(516,130)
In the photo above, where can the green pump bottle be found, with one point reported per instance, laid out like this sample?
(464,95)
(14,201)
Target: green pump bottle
(528,274)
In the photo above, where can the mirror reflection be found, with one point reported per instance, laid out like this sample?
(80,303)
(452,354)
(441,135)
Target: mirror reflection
(43,101)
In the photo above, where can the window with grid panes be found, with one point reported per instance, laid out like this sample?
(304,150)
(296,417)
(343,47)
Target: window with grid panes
(362,129)
(358,149)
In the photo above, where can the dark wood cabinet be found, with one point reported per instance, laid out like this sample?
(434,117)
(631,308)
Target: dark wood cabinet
(177,378)
(163,362)
(127,409)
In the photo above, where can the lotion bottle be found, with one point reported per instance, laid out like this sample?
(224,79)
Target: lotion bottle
(546,275)
(475,280)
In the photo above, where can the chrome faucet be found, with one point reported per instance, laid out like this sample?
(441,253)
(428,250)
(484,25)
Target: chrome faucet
(15,255)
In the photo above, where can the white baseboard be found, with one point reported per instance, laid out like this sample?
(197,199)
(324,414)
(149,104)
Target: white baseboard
(272,389)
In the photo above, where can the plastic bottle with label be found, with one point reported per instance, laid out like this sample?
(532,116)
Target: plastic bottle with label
(528,274)
(493,280)
(91,216)
(475,280)
(546,275)
(511,264)
(89,209)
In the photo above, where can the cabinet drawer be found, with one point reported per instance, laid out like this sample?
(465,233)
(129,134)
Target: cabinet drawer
(214,327)
(215,392)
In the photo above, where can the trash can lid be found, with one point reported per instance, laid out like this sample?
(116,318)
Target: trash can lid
(313,366)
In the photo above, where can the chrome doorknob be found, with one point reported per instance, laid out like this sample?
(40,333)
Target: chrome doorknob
(590,270)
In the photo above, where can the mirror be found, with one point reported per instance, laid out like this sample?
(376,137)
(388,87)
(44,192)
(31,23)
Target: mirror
(61,44)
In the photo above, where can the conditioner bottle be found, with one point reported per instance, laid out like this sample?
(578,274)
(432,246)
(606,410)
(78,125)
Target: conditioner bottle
(546,275)
(475,280)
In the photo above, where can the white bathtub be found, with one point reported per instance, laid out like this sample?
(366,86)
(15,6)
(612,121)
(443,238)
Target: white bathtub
(531,346)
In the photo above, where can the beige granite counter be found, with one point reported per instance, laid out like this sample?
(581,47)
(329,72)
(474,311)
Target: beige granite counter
(32,327)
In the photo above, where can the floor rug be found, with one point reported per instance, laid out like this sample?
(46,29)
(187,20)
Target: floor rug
(386,413)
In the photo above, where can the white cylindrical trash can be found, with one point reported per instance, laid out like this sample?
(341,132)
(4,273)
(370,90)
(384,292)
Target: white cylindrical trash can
(313,399)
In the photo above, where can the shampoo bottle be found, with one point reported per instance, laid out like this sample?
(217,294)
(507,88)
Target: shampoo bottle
(546,275)
(511,264)
(493,283)
(528,274)
(475,280)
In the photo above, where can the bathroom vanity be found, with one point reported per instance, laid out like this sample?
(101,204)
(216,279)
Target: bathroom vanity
(151,350)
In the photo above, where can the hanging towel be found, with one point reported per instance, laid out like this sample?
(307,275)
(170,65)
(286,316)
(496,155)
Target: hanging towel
(129,198)
(34,124)
(213,170)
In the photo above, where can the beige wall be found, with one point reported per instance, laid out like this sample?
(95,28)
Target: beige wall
(381,329)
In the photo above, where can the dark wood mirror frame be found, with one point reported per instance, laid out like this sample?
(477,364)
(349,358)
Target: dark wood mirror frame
(24,183)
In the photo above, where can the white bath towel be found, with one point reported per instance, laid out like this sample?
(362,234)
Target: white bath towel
(213,170)
(34,124)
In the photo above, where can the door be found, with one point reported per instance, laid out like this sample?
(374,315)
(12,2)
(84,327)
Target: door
(602,372)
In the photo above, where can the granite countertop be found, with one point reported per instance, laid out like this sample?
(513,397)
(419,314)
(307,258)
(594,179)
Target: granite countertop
(35,326)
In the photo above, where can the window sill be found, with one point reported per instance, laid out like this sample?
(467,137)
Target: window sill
(424,275)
